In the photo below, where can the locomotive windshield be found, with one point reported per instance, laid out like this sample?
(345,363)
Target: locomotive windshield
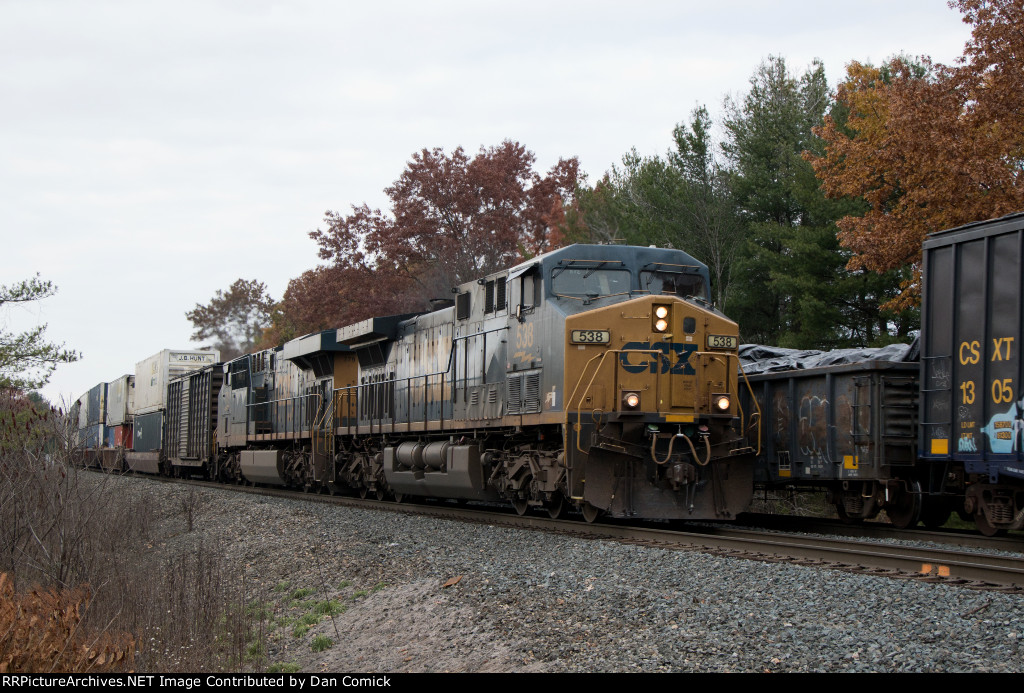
(589,282)
(676,283)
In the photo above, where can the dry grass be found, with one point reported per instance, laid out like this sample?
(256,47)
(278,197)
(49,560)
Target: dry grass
(83,587)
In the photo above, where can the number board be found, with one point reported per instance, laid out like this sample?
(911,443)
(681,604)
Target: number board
(590,337)
(720,341)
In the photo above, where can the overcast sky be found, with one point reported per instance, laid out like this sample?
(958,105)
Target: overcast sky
(153,152)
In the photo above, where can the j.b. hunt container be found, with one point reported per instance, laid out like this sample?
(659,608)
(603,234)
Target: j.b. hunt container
(153,374)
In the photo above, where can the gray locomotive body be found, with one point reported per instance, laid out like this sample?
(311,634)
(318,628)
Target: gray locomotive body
(592,377)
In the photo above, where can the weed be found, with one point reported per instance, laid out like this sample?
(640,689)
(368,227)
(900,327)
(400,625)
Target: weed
(256,650)
(260,611)
(330,607)
(61,527)
(301,593)
(304,623)
(310,619)
(283,586)
(284,668)
(191,506)
(321,643)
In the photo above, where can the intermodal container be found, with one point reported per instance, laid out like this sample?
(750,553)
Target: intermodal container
(153,374)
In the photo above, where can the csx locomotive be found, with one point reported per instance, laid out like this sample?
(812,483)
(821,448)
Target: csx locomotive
(598,378)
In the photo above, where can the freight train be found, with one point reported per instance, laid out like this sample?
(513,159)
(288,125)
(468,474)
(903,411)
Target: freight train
(927,433)
(601,379)
(593,378)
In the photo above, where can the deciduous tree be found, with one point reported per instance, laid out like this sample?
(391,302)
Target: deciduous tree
(932,151)
(234,319)
(452,218)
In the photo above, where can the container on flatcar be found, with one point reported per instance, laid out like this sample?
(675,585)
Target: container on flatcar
(96,409)
(89,414)
(119,436)
(120,400)
(971,336)
(147,432)
(849,428)
(92,437)
(153,374)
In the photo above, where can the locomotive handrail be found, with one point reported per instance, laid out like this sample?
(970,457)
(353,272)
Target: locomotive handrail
(754,418)
(294,427)
(588,299)
(350,390)
(755,403)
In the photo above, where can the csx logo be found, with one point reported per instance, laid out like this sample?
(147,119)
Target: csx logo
(674,359)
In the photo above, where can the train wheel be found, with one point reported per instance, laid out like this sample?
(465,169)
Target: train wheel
(845,517)
(556,506)
(380,492)
(907,510)
(590,513)
(363,492)
(399,497)
(986,527)
(521,505)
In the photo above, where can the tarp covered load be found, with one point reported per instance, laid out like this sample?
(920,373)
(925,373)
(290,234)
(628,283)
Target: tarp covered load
(757,358)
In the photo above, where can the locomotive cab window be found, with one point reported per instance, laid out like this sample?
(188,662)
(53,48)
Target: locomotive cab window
(529,290)
(679,284)
(580,282)
(524,286)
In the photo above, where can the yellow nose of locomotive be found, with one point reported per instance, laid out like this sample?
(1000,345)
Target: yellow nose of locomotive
(655,355)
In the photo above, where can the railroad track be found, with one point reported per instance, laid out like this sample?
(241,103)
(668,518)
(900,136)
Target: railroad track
(954,566)
(1013,542)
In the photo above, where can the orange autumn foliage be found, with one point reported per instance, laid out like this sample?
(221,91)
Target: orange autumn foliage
(929,153)
(40,631)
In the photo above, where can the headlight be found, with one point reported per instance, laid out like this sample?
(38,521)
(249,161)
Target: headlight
(630,400)
(722,402)
(661,314)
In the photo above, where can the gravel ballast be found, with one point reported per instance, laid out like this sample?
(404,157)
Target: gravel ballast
(534,601)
